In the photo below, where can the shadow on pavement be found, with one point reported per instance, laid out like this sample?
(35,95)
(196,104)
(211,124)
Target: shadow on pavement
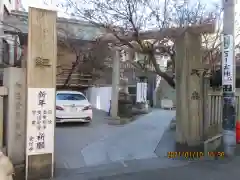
(72,124)
(98,116)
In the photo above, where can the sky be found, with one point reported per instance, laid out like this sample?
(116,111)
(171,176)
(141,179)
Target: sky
(40,3)
(52,5)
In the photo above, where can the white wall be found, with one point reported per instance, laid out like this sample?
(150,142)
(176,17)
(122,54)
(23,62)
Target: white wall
(12,4)
(165,91)
(100,97)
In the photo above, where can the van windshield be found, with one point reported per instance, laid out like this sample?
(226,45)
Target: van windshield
(70,96)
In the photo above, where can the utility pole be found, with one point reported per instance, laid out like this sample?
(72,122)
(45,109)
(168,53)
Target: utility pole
(228,78)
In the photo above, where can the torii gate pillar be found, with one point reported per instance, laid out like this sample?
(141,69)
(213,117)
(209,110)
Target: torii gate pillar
(189,109)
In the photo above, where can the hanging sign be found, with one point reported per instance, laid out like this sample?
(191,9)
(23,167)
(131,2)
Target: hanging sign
(227,62)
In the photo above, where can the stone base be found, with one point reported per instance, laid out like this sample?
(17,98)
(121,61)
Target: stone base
(124,109)
(238,150)
(186,148)
(19,172)
(121,121)
(136,111)
(173,125)
(112,118)
(114,122)
(189,153)
(213,144)
(209,150)
(141,105)
(124,105)
(40,166)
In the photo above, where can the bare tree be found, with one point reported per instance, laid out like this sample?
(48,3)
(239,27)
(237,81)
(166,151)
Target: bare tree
(119,17)
(89,56)
(84,51)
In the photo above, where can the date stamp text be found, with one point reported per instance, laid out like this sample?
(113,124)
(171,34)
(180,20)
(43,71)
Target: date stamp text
(194,155)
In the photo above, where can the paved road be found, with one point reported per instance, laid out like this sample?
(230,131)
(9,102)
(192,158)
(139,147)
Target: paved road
(71,138)
(194,171)
(150,170)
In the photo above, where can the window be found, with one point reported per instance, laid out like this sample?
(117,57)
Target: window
(70,96)
(237,83)
(5,55)
(216,79)
(132,90)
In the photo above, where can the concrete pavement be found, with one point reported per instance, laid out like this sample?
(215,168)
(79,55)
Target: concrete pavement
(84,152)
(71,138)
(79,146)
(99,143)
(137,140)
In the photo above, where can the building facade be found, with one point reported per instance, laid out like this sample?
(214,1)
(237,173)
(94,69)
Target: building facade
(11,5)
(80,79)
(8,41)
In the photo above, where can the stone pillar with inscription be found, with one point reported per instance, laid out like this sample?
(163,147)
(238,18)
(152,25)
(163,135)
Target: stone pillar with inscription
(41,89)
(189,109)
(15,115)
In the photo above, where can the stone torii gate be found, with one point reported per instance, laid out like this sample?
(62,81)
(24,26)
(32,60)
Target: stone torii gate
(189,106)
(188,47)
